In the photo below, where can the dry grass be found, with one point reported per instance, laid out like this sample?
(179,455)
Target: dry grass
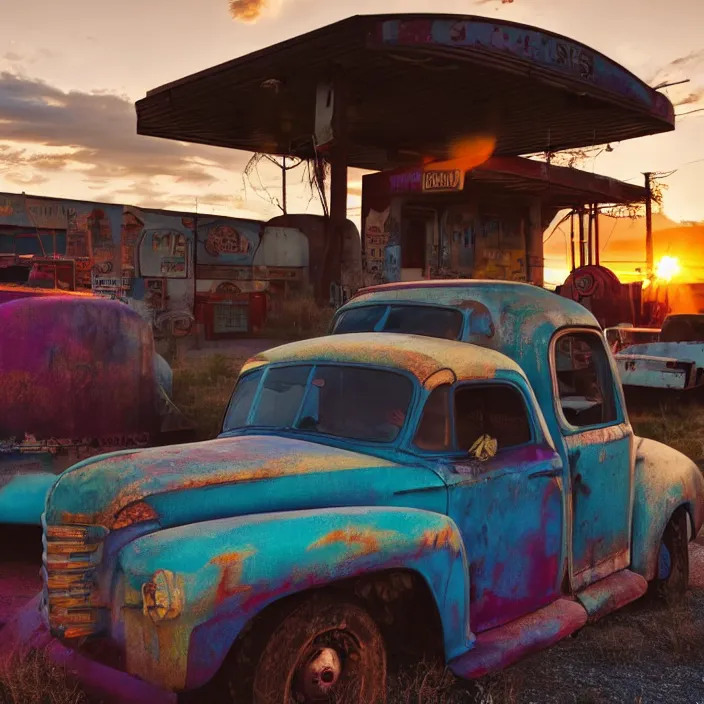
(202,389)
(298,318)
(679,426)
(31,679)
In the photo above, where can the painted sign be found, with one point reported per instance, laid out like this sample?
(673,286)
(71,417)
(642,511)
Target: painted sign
(109,283)
(406,181)
(163,253)
(155,297)
(227,241)
(448,180)
(377,230)
(46,214)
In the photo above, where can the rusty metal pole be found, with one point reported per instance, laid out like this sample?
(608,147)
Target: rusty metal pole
(338,192)
(572,241)
(597,244)
(590,238)
(649,257)
(581,237)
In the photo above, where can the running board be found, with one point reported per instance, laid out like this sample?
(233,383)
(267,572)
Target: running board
(499,647)
(611,593)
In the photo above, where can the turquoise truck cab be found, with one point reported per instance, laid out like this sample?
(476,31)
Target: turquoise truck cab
(452,467)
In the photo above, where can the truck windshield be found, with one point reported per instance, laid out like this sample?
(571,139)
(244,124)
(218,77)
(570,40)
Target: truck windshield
(430,321)
(355,403)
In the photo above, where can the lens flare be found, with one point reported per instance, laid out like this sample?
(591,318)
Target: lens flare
(667,268)
(466,154)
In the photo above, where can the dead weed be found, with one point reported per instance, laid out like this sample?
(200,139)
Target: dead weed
(298,318)
(202,390)
(32,679)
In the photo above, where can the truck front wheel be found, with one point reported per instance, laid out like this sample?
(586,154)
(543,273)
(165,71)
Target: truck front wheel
(326,650)
(672,578)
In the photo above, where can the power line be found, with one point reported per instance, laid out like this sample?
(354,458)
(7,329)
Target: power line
(689,112)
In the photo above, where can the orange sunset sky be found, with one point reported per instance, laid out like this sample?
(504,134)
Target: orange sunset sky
(70,73)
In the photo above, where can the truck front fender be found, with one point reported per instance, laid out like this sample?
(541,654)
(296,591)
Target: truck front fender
(223,573)
(665,480)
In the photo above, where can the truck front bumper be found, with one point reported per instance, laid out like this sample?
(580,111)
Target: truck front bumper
(27,631)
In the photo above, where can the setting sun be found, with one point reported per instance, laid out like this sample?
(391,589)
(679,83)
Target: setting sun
(667,268)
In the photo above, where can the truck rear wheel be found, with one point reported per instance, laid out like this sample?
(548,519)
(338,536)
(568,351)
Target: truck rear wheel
(672,578)
(327,649)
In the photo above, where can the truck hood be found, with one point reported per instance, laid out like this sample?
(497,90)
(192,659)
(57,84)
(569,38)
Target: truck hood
(233,476)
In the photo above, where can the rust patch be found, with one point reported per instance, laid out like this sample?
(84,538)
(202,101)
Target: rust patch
(77,519)
(437,540)
(361,541)
(231,565)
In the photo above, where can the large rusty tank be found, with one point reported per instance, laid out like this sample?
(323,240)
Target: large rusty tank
(599,290)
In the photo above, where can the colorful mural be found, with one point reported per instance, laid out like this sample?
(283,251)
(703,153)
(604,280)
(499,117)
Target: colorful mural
(463,238)
(158,261)
(223,241)
(160,245)
(93,239)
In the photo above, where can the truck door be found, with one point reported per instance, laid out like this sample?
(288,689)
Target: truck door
(599,442)
(509,508)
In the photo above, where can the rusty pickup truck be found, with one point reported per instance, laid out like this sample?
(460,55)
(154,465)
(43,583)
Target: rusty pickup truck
(477,491)
(657,364)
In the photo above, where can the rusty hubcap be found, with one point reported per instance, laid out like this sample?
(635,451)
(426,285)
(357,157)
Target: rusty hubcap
(318,675)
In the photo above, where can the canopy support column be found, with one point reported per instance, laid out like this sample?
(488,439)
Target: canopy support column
(339,155)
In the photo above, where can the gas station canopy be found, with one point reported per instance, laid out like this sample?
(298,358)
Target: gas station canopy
(414,85)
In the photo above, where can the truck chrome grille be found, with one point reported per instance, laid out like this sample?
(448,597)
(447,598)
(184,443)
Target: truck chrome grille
(71,556)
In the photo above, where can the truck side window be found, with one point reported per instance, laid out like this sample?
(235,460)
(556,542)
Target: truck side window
(496,410)
(434,432)
(281,396)
(362,319)
(241,402)
(584,380)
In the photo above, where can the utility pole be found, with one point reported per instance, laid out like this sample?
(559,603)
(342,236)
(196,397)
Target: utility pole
(649,263)
(283,184)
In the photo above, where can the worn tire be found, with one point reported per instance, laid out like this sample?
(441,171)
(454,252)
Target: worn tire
(672,580)
(289,657)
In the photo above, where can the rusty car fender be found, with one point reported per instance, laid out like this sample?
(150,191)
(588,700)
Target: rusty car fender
(665,480)
(188,592)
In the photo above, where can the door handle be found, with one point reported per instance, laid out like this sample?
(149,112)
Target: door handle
(546,473)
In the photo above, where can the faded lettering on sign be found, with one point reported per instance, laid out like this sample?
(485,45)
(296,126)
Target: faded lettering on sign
(442,180)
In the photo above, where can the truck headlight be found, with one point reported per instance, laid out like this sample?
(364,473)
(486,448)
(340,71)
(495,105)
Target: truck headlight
(162,597)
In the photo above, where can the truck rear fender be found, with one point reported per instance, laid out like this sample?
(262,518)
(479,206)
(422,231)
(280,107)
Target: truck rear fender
(225,572)
(665,480)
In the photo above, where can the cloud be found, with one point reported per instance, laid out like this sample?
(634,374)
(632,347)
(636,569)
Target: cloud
(25,181)
(691,98)
(678,68)
(50,130)
(247,10)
